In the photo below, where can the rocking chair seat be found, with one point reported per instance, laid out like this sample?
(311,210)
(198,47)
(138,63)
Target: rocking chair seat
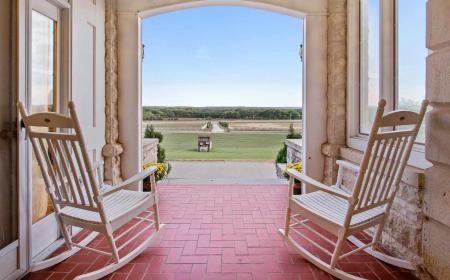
(116,205)
(333,208)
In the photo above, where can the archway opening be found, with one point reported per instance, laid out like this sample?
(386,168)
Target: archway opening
(232,75)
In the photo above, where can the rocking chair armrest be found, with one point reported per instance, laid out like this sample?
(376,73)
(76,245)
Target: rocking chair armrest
(133,179)
(348,165)
(317,185)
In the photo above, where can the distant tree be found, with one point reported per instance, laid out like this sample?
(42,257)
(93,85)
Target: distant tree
(158,113)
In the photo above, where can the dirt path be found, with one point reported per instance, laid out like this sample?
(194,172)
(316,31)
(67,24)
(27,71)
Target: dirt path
(216,128)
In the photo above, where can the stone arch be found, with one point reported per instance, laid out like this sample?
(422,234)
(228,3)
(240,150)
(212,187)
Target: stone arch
(124,23)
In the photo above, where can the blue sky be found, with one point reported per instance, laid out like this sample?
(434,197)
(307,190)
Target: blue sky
(221,56)
(411,50)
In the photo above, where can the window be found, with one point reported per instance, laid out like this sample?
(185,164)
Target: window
(370,62)
(43,91)
(386,59)
(43,63)
(411,54)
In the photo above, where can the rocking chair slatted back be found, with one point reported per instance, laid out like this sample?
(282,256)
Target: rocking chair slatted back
(385,158)
(63,159)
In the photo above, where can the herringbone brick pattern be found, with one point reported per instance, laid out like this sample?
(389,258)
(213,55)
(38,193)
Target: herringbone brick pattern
(220,232)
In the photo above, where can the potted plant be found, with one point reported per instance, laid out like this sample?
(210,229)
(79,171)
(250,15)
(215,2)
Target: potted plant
(162,169)
(299,167)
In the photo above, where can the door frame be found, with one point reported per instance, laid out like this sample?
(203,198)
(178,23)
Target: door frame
(24,255)
(15,256)
(45,231)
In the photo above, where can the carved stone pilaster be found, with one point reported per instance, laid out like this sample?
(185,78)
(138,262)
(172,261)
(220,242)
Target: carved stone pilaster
(336,92)
(112,150)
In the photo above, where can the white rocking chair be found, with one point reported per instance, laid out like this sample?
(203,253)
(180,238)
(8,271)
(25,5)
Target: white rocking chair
(343,214)
(81,199)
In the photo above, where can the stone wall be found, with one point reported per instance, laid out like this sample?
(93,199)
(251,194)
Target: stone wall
(336,88)
(294,150)
(149,150)
(436,227)
(402,234)
(113,149)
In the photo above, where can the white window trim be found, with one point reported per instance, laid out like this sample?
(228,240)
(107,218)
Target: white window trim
(355,139)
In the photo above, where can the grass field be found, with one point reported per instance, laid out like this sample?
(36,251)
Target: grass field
(226,146)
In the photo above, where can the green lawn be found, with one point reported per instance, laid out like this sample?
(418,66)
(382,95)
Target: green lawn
(226,146)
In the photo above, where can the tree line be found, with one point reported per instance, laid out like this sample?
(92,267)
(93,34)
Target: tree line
(232,113)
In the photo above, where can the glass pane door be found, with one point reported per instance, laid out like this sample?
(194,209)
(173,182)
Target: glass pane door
(43,96)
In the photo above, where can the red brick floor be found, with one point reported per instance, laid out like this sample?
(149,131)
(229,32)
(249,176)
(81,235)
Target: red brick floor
(220,232)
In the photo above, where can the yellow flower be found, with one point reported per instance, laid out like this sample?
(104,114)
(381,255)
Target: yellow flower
(161,169)
(295,165)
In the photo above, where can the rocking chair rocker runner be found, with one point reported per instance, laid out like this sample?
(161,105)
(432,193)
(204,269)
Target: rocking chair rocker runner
(80,198)
(343,214)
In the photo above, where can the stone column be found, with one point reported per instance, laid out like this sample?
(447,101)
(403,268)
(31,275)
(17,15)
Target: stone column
(129,83)
(336,91)
(112,150)
(436,228)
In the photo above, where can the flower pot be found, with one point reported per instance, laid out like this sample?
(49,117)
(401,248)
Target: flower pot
(297,188)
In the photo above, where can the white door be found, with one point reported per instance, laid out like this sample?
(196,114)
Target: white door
(88,72)
(42,96)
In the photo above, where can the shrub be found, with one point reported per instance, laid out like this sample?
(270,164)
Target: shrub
(224,125)
(151,133)
(282,153)
(161,154)
(292,134)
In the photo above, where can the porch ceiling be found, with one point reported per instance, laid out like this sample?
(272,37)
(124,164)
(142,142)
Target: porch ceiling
(220,232)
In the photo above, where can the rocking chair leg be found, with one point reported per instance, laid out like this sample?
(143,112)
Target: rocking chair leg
(66,235)
(156,210)
(337,251)
(155,206)
(112,244)
(288,209)
(377,235)
(287,221)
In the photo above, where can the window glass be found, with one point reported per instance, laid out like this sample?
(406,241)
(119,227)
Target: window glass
(43,96)
(369,62)
(42,63)
(411,55)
